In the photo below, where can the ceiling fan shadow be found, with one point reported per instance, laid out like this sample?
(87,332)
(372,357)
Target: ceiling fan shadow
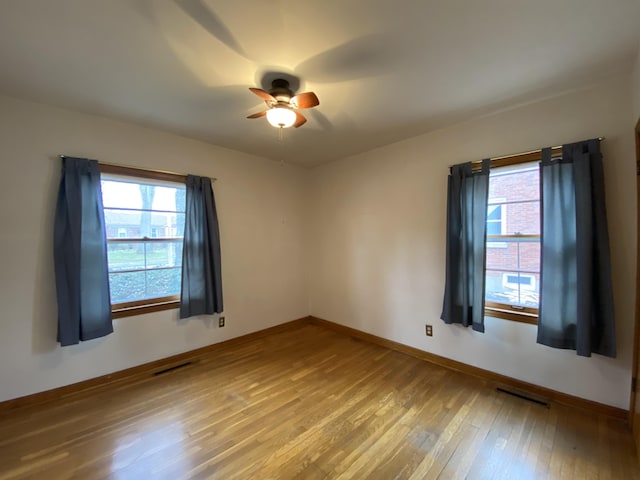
(229,98)
(266,75)
(207,19)
(321,119)
(367,56)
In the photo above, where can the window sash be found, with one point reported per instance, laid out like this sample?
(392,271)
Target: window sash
(506,307)
(516,237)
(141,210)
(512,202)
(152,300)
(126,309)
(501,310)
(511,312)
(146,177)
(146,240)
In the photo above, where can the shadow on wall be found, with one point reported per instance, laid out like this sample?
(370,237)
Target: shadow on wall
(44,327)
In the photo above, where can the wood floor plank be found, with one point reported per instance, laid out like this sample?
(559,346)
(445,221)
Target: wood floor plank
(310,403)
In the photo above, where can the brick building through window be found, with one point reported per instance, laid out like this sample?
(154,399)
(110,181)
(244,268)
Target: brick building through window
(513,237)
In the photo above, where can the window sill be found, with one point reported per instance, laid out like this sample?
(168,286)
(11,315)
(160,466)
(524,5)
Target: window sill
(138,308)
(504,314)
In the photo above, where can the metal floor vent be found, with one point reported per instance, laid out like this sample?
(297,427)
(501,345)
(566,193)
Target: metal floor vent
(524,397)
(174,367)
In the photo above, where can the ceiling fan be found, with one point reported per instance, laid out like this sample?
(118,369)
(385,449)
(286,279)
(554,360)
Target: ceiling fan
(283,104)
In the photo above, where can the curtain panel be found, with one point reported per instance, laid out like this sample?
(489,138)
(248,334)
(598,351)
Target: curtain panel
(80,254)
(201,291)
(576,298)
(467,195)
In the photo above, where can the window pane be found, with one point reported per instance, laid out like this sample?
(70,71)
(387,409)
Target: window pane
(504,257)
(494,212)
(127,287)
(523,218)
(139,224)
(494,228)
(515,183)
(132,286)
(130,194)
(164,254)
(513,254)
(162,283)
(143,255)
(513,288)
(530,255)
(125,256)
(117,194)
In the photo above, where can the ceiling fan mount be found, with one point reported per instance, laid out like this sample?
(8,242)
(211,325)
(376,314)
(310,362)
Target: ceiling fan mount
(280,88)
(283,104)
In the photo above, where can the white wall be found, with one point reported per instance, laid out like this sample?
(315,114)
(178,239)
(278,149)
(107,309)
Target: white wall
(378,244)
(261,206)
(636,87)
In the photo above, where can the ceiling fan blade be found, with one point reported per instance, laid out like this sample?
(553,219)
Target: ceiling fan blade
(258,115)
(305,100)
(300,120)
(267,97)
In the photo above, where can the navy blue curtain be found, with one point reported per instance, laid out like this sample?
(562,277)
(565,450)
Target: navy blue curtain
(576,298)
(201,260)
(467,196)
(80,254)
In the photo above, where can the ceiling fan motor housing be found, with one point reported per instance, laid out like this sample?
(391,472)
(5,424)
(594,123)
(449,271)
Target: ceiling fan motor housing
(280,90)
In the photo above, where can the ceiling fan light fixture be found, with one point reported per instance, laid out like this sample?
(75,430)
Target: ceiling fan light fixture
(281,117)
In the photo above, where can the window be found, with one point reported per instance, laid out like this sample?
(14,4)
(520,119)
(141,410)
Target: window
(513,223)
(496,223)
(495,220)
(145,220)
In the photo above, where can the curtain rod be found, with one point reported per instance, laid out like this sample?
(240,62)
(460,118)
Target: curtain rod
(477,162)
(162,172)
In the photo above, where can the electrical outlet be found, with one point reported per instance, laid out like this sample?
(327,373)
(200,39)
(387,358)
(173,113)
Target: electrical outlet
(220,322)
(428,330)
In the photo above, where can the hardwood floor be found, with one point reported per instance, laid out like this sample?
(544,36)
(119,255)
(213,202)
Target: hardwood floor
(310,403)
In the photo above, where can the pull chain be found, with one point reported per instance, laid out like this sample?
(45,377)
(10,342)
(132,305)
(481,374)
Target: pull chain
(281,141)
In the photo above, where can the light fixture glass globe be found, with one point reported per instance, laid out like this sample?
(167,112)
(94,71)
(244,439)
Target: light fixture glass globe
(281,117)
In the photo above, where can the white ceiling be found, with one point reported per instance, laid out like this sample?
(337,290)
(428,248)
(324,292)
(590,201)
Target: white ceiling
(384,70)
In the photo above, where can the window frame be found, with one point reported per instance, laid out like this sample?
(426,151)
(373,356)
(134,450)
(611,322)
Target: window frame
(499,310)
(148,305)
